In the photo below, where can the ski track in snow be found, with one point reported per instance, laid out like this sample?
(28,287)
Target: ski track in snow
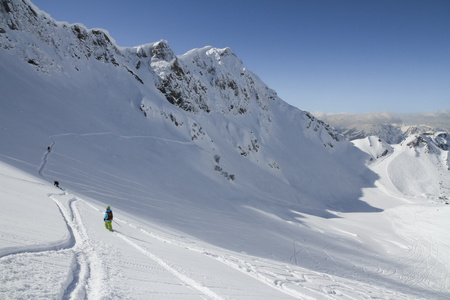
(45,158)
(80,266)
(119,136)
(53,143)
(77,242)
(82,273)
(296,282)
(84,278)
(87,275)
(422,254)
(66,243)
(206,291)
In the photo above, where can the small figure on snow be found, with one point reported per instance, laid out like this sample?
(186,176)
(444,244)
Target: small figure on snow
(108,218)
(56,183)
(48,149)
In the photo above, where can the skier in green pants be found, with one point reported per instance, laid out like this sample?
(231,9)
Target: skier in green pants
(108,218)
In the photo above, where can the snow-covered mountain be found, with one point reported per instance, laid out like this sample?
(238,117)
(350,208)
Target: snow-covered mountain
(218,186)
(391,133)
(205,99)
(420,159)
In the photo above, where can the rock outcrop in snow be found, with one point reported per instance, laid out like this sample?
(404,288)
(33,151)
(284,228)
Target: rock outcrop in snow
(428,143)
(206,96)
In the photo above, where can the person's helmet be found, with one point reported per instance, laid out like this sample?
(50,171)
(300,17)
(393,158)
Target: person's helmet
(108,207)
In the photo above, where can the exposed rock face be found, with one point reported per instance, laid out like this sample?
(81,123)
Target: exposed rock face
(175,81)
(202,82)
(432,143)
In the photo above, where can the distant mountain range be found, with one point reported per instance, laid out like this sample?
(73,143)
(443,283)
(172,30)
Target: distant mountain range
(392,128)
(391,133)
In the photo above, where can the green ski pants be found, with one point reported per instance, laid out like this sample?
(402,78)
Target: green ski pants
(108,225)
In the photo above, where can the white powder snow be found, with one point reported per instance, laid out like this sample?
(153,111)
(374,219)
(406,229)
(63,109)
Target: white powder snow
(302,217)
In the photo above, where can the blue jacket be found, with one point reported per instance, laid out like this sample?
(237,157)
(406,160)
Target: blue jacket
(106,215)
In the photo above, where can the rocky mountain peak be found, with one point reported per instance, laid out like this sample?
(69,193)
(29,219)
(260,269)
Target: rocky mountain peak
(15,13)
(203,80)
(161,51)
(431,143)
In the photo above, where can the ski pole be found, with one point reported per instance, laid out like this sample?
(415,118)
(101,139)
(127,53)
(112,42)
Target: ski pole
(117,223)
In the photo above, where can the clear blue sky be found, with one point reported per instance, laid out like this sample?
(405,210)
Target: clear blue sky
(319,55)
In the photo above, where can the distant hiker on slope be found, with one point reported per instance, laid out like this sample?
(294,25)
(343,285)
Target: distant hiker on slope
(56,183)
(108,218)
(48,149)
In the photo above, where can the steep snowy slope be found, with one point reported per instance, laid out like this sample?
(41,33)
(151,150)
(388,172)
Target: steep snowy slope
(205,104)
(422,167)
(195,145)
(418,167)
(374,146)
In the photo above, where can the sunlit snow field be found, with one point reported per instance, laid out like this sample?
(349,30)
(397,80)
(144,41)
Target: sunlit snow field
(250,199)
(54,244)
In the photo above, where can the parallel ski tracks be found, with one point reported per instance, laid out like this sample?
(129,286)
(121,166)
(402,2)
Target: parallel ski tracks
(83,271)
(185,279)
(82,251)
(75,243)
(86,273)
(85,257)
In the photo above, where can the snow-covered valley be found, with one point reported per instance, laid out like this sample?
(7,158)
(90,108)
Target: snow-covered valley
(220,189)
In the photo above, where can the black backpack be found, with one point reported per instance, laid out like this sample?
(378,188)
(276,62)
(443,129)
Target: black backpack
(110,215)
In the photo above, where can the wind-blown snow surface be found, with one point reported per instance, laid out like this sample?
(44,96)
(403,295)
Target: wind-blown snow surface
(220,189)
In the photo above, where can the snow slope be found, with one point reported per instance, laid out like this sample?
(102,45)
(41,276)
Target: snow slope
(220,189)
(64,253)
(375,146)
